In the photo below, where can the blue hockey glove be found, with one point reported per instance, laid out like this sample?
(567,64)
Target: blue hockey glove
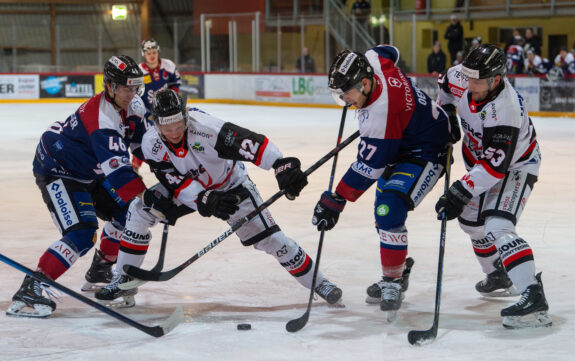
(327,210)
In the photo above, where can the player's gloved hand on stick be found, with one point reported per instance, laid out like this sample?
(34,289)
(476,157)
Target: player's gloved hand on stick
(453,201)
(216,203)
(290,176)
(327,210)
(160,205)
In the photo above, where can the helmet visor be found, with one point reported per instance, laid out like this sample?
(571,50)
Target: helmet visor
(339,95)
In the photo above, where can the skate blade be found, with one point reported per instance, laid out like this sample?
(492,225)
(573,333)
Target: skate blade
(532,320)
(125,302)
(92,287)
(373,300)
(508,292)
(338,304)
(19,309)
(390,316)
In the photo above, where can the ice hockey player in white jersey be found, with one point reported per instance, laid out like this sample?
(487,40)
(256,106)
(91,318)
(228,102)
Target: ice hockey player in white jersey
(403,147)
(198,160)
(83,171)
(502,159)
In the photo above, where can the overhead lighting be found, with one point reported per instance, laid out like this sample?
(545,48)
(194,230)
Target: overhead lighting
(119,12)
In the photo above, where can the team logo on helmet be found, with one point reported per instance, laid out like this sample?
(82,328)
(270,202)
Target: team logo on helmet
(349,59)
(118,63)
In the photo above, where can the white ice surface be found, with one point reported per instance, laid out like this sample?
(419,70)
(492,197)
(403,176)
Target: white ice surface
(232,284)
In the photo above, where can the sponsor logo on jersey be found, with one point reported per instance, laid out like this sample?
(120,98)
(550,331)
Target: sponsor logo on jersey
(394,82)
(428,182)
(198,147)
(230,138)
(482,114)
(147,79)
(62,204)
(114,163)
(363,169)
(201,134)
(467,180)
(156,147)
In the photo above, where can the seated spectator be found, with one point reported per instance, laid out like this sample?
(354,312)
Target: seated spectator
(515,59)
(436,60)
(566,61)
(305,63)
(532,41)
(534,64)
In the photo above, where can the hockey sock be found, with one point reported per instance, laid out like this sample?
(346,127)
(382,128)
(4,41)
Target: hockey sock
(110,241)
(517,258)
(58,258)
(291,256)
(486,253)
(393,251)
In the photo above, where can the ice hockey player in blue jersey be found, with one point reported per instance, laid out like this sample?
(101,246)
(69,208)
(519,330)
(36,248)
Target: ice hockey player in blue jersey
(159,74)
(82,167)
(404,139)
(502,158)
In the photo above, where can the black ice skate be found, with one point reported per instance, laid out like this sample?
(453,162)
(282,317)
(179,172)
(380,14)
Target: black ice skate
(329,292)
(30,296)
(530,311)
(496,284)
(374,291)
(100,272)
(111,291)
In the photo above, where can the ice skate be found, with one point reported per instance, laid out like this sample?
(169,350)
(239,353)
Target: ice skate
(496,284)
(530,310)
(108,294)
(330,293)
(29,296)
(374,291)
(100,272)
(391,297)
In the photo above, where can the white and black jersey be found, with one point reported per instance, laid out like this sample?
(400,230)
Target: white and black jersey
(209,157)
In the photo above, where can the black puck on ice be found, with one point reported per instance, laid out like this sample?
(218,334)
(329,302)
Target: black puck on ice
(244,326)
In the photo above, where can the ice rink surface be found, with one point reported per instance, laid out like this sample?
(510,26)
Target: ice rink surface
(232,284)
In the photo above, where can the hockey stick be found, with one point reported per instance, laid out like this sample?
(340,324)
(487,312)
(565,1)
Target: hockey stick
(299,323)
(157,331)
(424,337)
(164,276)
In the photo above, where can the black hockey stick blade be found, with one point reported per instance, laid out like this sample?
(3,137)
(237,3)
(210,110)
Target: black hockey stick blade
(137,282)
(418,338)
(147,275)
(298,323)
(157,331)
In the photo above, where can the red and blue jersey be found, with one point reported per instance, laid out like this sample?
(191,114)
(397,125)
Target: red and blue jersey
(399,122)
(164,76)
(93,144)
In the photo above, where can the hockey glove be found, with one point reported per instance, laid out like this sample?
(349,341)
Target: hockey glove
(290,176)
(327,210)
(454,129)
(453,201)
(160,206)
(216,203)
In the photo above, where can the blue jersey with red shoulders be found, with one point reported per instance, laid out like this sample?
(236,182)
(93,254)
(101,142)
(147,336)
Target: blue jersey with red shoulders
(164,76)
(93,144)
(399,122)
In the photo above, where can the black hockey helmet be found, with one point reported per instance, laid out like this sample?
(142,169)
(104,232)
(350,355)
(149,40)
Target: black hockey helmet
(149,44)
(485,61)
(123,70)
(347,69)
(168,107)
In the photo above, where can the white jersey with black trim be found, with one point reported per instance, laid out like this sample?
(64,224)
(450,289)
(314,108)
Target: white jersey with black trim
(452,85)
(498,137)
(210,156)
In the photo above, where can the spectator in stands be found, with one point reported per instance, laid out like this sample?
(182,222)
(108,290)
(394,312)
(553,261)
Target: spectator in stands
(454,35)
(566,61)
(436,60)
(305,63)
(511,41)
(460,56)
(515,57)
(532,42)
(361,9)
(534,64)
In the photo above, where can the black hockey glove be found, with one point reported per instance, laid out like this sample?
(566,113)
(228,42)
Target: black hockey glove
(454,129)
(290,176)
(453,201)
(216,203)
(160,206)
(327,210)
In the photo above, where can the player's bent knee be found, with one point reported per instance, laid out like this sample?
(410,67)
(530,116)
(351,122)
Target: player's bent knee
(82,240)
(390,211)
